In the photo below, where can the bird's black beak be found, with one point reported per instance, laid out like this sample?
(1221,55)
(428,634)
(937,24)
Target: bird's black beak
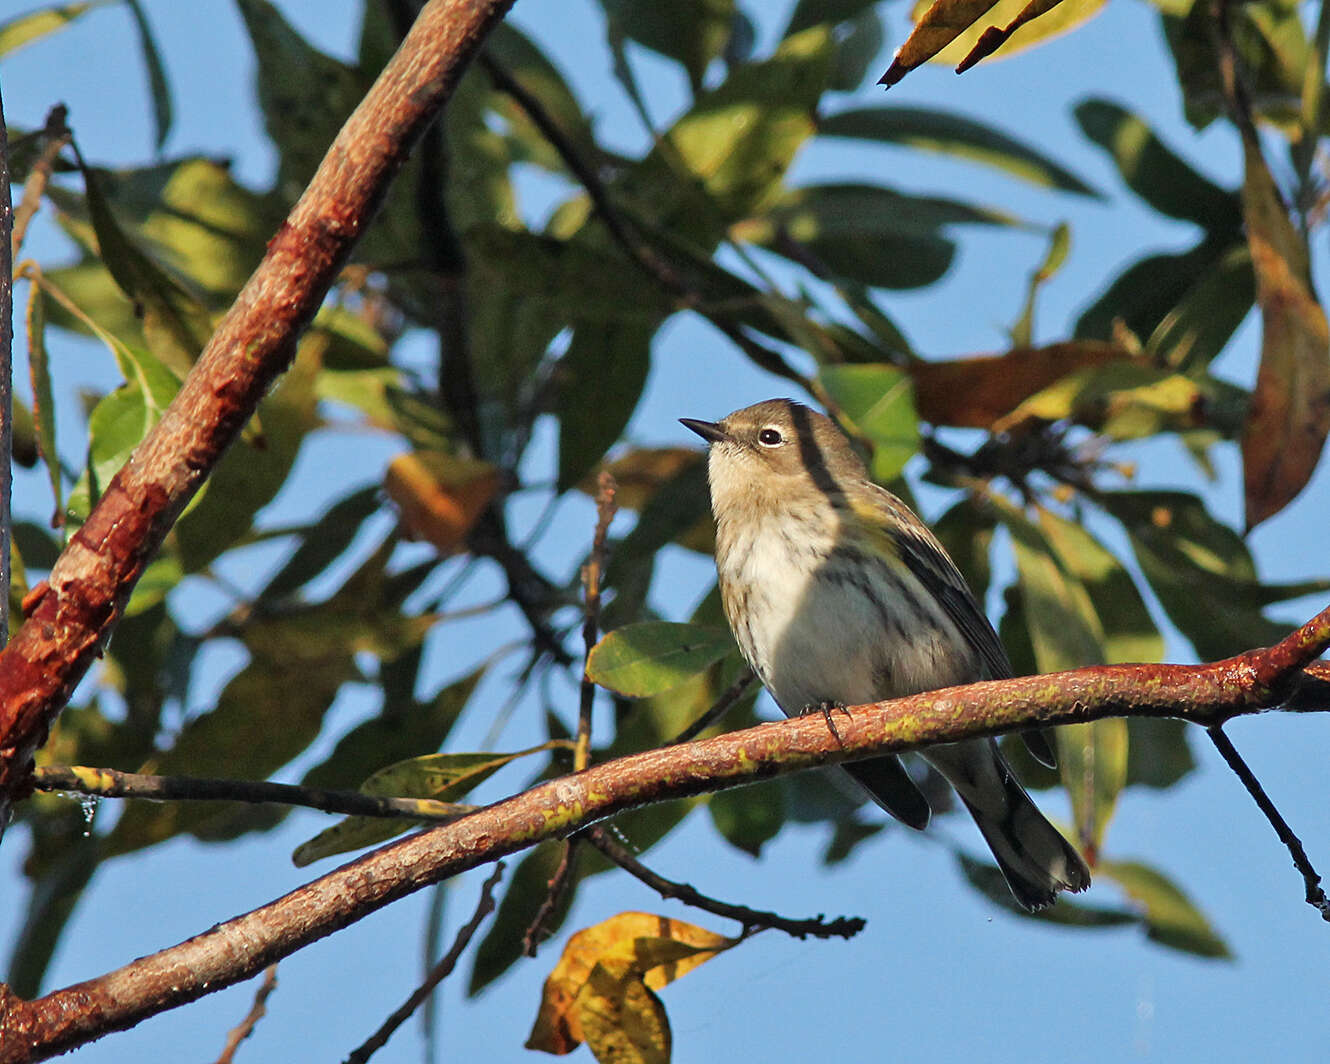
(708,430)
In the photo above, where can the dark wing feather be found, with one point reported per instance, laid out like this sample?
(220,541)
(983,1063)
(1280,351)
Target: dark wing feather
(925,557)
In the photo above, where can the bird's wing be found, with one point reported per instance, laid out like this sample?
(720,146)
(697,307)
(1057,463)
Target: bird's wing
(926,558)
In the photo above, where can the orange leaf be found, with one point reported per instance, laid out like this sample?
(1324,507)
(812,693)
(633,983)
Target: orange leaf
(976,392)
(1289,416)
(440,497)
(653,950)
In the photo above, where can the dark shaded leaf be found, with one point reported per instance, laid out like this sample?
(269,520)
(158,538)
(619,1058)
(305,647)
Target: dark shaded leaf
(600,380)
(693,32)
(809,13)
(322,543)
(1205,317)
(955,135)
(748,817)
(1158,752)
(152,59)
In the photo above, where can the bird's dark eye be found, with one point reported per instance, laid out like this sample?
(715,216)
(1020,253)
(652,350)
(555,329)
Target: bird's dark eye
(769,437)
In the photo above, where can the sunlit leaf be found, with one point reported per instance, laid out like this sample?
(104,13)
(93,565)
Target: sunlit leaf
(645,659)
(39,368)
(435,777)
(655,950)
(878,400)
(33,25)
(961,32)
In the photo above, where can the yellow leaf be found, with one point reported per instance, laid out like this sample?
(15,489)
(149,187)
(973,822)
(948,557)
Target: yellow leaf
(653,950)
(622,1020)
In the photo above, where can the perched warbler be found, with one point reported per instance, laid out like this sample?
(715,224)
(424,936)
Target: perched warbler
(839,595)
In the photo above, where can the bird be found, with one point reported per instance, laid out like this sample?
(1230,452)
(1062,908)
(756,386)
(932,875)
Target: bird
(839,595)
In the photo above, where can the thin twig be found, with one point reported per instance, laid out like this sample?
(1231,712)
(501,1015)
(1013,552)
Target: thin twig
(722,705)
(561,882)
(8,250)
(1315,895)
(642,254)
(606,507)
(257,1011)
(110,783)
(751,919)
(437,974)
(56,136)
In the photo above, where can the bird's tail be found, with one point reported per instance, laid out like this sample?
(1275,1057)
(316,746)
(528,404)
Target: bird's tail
(1034,857)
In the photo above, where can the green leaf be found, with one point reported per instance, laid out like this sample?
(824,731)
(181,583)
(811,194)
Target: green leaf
(1128,632)
(252,471)
(645,659)
(865,232)
(1066,632)
(39,366)
(809,13)
(727,156)
(176,324)
(878,400)
(1059,245)
(1155,173)
(1171,918)
(600,381)
(951,134)
(1158,754)
(1200,570)
(323,542)
(304,95)
(438,777)
(748,817)
(857,49)
(692,32)
(403,728)
(33,25)
(527,889)
(152,59)
(1206,315)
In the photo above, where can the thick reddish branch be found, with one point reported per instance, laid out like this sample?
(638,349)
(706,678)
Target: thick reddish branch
(239,948)
(91,581)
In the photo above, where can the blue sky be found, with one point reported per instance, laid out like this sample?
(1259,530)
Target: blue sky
(939,972)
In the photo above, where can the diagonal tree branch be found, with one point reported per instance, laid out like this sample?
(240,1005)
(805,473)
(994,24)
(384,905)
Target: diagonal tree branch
(71,617)
(239,948)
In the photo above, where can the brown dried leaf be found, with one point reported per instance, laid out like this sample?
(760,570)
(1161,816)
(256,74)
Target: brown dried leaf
(440,497)
(1289,416)
(976,392)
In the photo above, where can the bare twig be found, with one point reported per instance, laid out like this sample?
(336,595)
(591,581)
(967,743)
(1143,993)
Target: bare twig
(606,507)
(642,254)
(110,783)
(94,575)
(257,1011)
(1315,895)
(8,229)
(751,919)
(1207,695)
(722,705)
(437,974)
(559,885)
(56,137)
